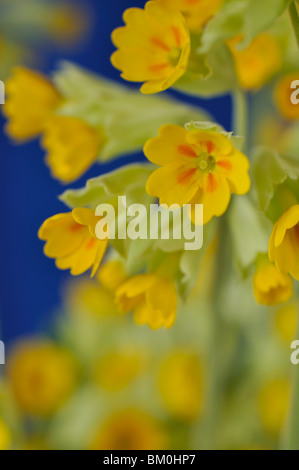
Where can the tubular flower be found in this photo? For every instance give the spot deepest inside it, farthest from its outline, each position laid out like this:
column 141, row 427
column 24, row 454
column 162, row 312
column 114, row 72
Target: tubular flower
column 31, row 99
column 5, row 436
column 153, row 299
column 282, row 96
column 181, row 385
column 71, row 240
column 42, row 376
column 270, row 286
column 153, row 47
column 198, row 167
column 72, row 147
column 130, row 430
column 274, row 400
column 256, row 64
column 284, row 243
column 196, row 12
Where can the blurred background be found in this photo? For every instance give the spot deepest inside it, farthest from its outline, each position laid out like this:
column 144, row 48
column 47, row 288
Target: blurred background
column 79, row 375
column 30, row 287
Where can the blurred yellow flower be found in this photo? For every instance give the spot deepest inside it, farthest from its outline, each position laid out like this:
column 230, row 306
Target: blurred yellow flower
column 151, row 297
column 5, row 436
column 130, row 430
column 181, row 385
column 71, row 240
column 68, row 22
column 72, row 147
column 116, row 370
column 153, row 47
column 112, row 274
column 273, row 403
column 286, row 322
column 271, row 286
column 196, row 12
column 86, row 297
column 31, row 99
column 42, row 376
column 282, row 96
column 198, row 167
column 256, row 64
column 284, row 243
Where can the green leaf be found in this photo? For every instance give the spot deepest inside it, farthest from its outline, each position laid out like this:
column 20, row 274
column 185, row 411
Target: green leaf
column 246, row 17
column 269, row 171
column 127, row 181
column 221, row 79
column 250, row 231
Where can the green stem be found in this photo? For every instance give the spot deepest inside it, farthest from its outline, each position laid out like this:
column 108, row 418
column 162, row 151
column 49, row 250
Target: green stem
column 293, row 12
column 216, row 339
column 240, row 113
column 291, row 441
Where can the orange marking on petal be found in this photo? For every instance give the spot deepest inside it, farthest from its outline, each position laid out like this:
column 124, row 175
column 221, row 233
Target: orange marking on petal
column 225, row 164
column 187, row 151
column 212, row 185
column 185, row 176
column 91, row 242
column 75, row 227
column 159, row 43
column 210, row 146
column 177, row 35
column 157, row 67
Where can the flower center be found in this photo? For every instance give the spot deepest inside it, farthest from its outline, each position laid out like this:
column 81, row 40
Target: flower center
column 206, row 162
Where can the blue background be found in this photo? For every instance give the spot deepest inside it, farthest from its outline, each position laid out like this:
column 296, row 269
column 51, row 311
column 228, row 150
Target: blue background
column 30, row 287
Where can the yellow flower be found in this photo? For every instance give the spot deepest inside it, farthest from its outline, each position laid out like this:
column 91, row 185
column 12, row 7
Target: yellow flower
column 116, row 370
column 270, row 286
column 153, row 299
column 282, row 96
column 286, row 322
column 42, row 376
column 31, row 99
column 130, row 430
column 181, row 385
column 274, row 401
column 284, row 243
column 71, row 240
column 112, row 274
column 5, row 436
column 153, row 47
column 86, row 297
column 198, row 167
column 256, row 64
column 196, row 12
column 72, row 147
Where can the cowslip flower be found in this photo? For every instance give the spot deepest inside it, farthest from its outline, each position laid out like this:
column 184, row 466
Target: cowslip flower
column 285, row 322
column 284, row 243
column 181, row 385
column 196, row 12
column 151, row 297
column 273, row 401
column 256, row 64
column 198, row 167
column 31, row 99
column 72, row 241
column 129, row 429
column 72, row 146
column 5, row 435
column 270, row 286
column 153, row 47
column 116, row 370
column 42, row 376
column 282, row 96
